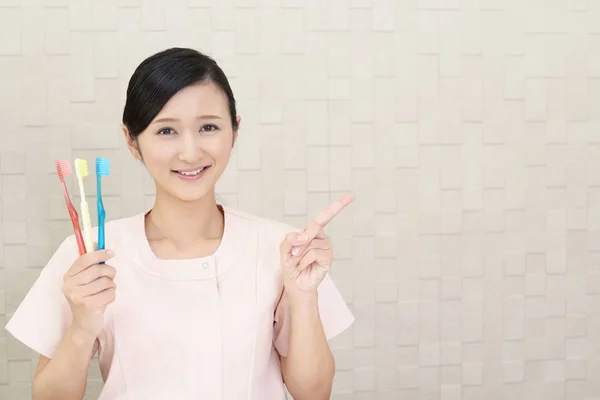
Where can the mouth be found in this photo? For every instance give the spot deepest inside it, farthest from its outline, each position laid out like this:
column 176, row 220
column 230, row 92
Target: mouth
column 191, row 174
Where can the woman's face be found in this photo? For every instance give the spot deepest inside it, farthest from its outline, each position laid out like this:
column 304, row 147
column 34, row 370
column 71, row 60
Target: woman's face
column 188, row 145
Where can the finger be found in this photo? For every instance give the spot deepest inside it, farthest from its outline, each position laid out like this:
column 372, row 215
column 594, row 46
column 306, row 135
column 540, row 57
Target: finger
column 315, row 244
column 89, row 259
column 321, row 257
column 94, row 272
column 322, row 244
column 313, row 231
column 319, row 244
column 103, row 298
column 97, row 286
column 288, row 243
column 306, row 260
column 334, row 208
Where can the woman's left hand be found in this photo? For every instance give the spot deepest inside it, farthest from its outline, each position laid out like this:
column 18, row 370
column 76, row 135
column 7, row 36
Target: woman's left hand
column 306, row 256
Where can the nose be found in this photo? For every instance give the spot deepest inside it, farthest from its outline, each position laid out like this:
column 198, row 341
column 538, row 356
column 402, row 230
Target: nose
column 190, row 151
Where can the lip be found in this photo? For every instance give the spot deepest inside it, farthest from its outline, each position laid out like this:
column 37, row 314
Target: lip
column 191, row 169
column 190, row 177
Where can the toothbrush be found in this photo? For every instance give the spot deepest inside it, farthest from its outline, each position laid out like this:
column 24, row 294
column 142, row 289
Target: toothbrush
column 102, row 169
column 64, row 169
column 81, row 170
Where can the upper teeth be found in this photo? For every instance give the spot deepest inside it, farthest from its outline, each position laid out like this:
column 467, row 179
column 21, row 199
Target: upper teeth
column 196, row 172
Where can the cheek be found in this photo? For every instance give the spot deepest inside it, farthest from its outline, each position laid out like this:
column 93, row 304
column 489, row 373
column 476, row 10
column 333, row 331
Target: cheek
column 224, row 152
column 219, row 149
column 156, row 155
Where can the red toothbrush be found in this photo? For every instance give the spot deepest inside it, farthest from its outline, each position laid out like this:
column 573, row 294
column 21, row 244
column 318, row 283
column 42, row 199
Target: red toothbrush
column 64, row 169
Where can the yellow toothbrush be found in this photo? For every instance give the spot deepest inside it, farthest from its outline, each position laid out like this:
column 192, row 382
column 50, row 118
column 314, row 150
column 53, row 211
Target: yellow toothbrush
column 81, row 170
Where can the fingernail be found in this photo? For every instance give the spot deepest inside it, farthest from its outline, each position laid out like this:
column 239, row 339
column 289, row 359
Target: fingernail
column 110, row 253
column 295, row 251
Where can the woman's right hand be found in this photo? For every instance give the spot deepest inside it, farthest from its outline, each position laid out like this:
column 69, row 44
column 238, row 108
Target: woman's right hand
column 89, row 287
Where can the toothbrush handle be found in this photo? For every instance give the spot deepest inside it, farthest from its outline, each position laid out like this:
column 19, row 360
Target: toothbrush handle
column 74, row 220
column 101, row 244
column 77, row 229
column 101, row 216
column 87, row 226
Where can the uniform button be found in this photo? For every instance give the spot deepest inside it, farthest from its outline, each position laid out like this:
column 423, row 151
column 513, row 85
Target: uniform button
column 205, row 265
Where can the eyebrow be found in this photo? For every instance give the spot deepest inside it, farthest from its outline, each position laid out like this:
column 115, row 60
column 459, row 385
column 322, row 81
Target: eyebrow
column 169, row 119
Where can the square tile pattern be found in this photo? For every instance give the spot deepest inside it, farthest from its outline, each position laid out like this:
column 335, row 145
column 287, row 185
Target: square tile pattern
column 466, row 129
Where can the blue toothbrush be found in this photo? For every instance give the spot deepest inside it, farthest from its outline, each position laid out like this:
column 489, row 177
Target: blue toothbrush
column 102, row 169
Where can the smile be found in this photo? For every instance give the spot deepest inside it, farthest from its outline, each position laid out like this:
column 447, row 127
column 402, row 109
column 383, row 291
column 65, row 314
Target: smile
column 191, row 174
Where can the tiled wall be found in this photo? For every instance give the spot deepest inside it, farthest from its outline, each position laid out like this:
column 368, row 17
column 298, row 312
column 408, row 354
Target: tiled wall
column 468, row 129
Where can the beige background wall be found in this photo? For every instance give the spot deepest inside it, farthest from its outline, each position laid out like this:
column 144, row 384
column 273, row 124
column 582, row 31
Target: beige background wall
column 468, row 129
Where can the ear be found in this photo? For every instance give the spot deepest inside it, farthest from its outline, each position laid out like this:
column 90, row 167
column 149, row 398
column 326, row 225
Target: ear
column 238, row 119
column 131, row 144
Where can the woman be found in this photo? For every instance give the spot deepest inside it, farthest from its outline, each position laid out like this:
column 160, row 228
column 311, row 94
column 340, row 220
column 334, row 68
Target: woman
column 196, row 300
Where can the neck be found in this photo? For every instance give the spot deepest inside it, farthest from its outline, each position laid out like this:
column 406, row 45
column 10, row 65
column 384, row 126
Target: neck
column 184, row 222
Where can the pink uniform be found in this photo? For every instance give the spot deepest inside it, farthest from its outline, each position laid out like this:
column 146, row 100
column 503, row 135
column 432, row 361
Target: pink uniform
column 206, row 328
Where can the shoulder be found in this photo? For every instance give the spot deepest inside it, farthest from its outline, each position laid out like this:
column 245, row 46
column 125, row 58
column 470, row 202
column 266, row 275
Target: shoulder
column 124, row 224
column 119, row 230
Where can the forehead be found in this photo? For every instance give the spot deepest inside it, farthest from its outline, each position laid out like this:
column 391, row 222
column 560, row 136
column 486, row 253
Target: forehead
column 195, row 100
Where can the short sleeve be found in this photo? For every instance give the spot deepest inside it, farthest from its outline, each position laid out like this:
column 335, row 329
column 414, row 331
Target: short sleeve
column 336, row 317
column 43, row 316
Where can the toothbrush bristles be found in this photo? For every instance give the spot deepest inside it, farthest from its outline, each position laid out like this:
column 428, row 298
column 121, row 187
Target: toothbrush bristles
column 63, row 168
column 81, row 167
column 102, row 166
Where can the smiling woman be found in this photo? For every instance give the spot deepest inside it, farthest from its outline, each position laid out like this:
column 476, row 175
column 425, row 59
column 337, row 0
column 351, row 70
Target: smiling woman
column 199, row 301
column 180, row 119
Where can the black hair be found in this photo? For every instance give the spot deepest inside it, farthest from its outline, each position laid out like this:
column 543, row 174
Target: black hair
column 161, row 76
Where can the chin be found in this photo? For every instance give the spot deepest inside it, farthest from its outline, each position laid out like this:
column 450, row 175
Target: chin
column 189, row 196
column 190, row 191
column 185, row 192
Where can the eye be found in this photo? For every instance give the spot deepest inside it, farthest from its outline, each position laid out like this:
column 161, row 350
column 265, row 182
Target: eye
column 209, row 128
column 166, row 131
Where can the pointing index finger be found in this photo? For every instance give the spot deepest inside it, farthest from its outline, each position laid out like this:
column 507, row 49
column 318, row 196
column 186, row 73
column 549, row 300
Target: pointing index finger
column 334, row 208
